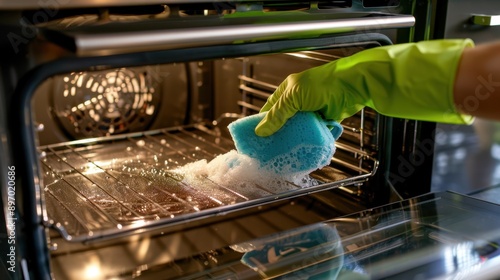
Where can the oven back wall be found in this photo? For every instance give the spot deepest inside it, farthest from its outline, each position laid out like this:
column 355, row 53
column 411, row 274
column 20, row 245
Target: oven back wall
column 82, row 105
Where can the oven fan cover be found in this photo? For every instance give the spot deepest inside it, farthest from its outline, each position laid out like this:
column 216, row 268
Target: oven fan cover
column 103, row 103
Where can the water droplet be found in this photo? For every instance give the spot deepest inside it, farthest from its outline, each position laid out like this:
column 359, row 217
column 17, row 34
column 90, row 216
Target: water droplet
column 141, row 143
column 163, row 141
column 129, row 149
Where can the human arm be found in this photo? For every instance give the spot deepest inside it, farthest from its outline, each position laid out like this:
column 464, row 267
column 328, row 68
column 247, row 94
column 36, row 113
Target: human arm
column 414, row 80
column 477, row 83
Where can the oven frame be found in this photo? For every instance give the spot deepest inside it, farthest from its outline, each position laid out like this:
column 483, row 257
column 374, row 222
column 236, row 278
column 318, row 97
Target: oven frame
column 32, row 251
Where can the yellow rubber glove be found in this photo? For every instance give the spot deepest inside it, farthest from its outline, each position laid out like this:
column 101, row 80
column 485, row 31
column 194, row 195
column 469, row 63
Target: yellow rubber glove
column 412, row 80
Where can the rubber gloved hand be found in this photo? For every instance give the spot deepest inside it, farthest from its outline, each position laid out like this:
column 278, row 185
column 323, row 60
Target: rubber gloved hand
column 412, row 80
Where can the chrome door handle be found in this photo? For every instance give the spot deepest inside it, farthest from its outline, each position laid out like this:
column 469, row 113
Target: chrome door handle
column 217, row 32
column 486, row 20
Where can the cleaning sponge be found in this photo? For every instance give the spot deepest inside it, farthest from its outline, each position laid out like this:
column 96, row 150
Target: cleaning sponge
column 305, row 143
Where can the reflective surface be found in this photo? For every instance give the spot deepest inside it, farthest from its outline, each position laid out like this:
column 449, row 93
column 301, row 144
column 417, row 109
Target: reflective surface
column 467, row 159
column 108, row 39
column 435, row 236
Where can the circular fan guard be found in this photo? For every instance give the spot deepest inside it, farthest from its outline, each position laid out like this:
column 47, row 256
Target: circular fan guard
column 101, row 103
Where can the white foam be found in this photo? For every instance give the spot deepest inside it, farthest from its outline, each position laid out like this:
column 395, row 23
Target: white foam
column 242, row 173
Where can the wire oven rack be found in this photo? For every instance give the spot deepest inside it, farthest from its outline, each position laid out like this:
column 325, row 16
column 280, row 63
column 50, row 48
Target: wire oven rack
column 108, row 186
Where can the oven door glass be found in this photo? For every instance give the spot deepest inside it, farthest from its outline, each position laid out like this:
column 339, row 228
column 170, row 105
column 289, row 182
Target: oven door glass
column 436, row 236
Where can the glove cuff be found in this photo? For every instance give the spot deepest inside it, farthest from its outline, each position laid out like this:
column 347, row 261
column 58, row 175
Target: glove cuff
column 412, row 80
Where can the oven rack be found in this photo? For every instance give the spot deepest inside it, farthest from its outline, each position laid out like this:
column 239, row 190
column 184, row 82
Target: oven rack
column 99, row 188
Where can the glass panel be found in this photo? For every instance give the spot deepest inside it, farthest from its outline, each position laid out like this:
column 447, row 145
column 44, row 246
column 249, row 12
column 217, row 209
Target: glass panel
column 467, row 158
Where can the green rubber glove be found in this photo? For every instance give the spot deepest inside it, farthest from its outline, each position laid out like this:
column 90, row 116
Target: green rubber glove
column 412, row 81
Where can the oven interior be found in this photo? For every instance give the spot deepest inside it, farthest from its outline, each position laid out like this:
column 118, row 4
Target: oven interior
column 112, row 144
column 128, row 131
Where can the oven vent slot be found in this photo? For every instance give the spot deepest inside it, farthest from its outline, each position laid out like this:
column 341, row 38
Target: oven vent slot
column 110, row 186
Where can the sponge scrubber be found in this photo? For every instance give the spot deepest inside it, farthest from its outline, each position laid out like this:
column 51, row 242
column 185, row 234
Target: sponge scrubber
column 305, row 143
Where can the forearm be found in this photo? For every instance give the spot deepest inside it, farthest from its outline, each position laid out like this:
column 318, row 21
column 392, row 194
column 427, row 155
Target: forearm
column 477, row 82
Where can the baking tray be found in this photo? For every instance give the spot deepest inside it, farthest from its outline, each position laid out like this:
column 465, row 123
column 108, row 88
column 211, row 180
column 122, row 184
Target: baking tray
column 110, row 186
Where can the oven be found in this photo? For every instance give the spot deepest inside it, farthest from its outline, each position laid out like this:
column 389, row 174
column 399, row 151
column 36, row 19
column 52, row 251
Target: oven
column 104, row 103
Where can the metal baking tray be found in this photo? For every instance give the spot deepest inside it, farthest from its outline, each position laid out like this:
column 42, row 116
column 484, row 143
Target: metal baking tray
column 110, row 186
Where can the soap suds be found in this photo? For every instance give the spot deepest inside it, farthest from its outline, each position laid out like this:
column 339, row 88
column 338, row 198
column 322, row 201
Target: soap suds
column 244, row 175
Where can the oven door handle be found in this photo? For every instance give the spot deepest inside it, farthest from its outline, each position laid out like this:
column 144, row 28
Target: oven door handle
column 122, row 41
column 486, row 20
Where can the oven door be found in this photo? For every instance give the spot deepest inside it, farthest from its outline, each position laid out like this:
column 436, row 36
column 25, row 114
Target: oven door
column 434, row 236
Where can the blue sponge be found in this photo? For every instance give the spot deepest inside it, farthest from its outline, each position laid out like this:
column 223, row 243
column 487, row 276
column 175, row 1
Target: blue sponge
column 305, row 143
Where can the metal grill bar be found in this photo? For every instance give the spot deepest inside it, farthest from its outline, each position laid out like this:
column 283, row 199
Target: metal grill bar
column 82, row 223
column 249, row 106
column 168, row 175
column 95, row 183
column 255, row 92
column 180, row 182
column 123, row 184
column 258, row 82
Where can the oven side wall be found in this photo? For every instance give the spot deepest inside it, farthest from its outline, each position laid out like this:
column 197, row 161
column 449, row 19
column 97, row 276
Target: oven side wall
column 21, row 219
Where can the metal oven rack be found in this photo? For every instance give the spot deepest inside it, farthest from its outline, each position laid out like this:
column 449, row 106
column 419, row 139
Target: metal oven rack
column 100, row 187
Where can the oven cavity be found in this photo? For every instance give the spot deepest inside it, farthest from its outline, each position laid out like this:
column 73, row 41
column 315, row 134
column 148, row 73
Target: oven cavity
column 122, row 165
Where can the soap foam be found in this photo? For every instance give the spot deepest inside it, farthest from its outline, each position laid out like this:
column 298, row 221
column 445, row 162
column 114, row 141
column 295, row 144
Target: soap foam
column 245, row 175
column 290, row 166
column 262, row 166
